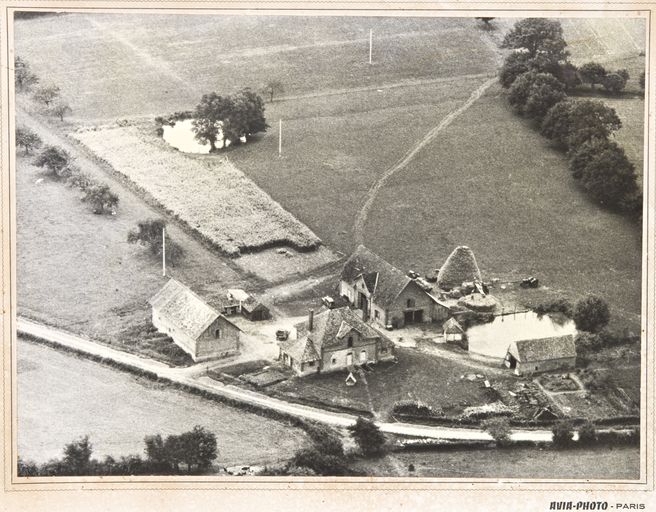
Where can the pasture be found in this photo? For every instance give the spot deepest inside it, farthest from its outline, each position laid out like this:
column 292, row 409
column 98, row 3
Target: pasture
column 486, row 180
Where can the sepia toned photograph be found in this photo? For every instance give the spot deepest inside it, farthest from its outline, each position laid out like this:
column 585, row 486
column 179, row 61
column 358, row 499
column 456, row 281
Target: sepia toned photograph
column 252, row 245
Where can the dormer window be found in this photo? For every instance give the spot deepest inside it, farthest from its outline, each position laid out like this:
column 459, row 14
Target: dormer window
column 349, row 342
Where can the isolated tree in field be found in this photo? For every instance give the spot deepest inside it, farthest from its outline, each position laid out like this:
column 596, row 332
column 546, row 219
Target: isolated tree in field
column 571, row 122
column 54, row 159
column 24, row 78
column 540, row 37
column 534, row 93
column 591, row 314
column 592, row 73
column 367, row 436
column 273, row 87
column 77, row 457
column 101, row 199
column 27, row 139
column 614, row 82
column 149, row 233
column 210, row 114
column 61, row 109
column 604, row 170
column 46, row 94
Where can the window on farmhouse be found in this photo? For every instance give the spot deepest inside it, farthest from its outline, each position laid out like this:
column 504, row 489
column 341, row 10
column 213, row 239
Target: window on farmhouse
column 376, row 314
column 333, row 360
column 217, row 333
column 411, row 303
column 349, row 343
column 310, row 363
column 383, row 350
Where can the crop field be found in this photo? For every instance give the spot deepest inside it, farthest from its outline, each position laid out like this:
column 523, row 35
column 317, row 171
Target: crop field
column 213, row 197
column 83, row 397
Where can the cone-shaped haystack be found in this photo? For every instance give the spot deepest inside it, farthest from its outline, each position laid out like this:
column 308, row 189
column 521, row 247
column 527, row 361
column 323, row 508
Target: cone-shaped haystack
column 459, row 267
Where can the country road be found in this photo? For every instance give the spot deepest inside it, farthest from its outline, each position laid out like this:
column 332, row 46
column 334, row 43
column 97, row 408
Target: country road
column 190, row 377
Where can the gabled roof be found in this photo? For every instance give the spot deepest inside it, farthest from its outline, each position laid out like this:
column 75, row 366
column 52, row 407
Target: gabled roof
column 302, row 350
column 451, row 326
column 251, row 304
column 543, row 349
column 184, row 308
column 331, row 326
column 458, row 268
column 384, row 280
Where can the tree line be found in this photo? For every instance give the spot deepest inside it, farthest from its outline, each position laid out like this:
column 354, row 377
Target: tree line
column 48, row 95
column 190, row 453
column 539, row 77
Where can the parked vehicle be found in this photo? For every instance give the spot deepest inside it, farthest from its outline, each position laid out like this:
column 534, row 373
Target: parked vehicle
column 282, row 335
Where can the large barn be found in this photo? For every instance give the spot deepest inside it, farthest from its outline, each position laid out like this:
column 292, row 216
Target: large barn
column 385, row 294
column 332, row 340
column 541, row 355
column 198, row 329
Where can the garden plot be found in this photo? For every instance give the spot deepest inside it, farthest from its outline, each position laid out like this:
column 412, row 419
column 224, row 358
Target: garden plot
column 211, row 196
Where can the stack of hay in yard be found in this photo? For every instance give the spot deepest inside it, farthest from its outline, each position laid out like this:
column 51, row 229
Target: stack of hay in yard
column 459, row 267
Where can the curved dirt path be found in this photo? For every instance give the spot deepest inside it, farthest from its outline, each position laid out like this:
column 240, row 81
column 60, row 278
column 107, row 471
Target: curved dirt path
column 360, row 221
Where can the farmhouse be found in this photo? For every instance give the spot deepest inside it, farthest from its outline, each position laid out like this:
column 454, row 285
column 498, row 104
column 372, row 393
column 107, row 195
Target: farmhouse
column 195, row 327
column 541, row 355
column 333, row 340
column 386, row 295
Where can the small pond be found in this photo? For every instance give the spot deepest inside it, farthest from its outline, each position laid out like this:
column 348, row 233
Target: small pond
column 181, row 136
column 492, row 339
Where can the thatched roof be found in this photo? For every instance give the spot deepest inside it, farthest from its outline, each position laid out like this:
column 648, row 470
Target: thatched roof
column 459, row 267
column 543, row 349
column 179, row 305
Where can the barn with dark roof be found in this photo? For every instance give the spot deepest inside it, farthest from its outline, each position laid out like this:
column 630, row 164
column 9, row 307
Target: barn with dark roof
column 332, row 340
column 541, row 355
column 197, row 328
column 385, row 294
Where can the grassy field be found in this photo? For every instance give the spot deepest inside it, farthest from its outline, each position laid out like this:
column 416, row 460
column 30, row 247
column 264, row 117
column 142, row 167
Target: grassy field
column 607, row 463
column 209, row 194
column 82, row 399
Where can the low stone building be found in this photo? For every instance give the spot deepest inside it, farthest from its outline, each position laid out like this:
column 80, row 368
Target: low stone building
column 198, row 329
column 386, row 295
column 541, row 355
column 332, row 340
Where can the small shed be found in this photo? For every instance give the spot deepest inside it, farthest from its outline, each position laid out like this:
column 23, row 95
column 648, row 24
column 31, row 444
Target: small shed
column 254, row 310
column 453, row 331
column 541, row 355
column 197, row 328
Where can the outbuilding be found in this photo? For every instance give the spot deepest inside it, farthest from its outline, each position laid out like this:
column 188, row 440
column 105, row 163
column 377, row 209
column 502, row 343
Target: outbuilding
column 541, row 355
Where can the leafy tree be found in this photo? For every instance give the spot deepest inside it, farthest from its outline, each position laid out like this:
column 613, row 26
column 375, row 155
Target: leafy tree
column 604, row 170
column 54, row 159
column 624, row 74
column 587, row 342
column 197, row 448
column 273, row 87
column 486, row 21
column 499, row 429
column 24, row 78
column 27, row 468
column 592, row 73
column 591, row 314
column 568, row 74
column 101, row 198
column 570, row 123
column 320, row 463
column 516, row 64
column 367, row 436
column 251, row 107
column 77, row 457
column 539, row 37
column 156, row 454
column 534, row 93
column 326, row 440
column 60, row 109
column 149, row 233
column 209, row 117
column 614, row 82
column 27, row 139
column 587, row 434
column 562, row 434
column 46, row 94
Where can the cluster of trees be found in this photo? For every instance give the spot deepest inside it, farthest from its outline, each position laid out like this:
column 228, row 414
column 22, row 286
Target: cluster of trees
column 48, row 95
column 58, row 164
column 228, row 118
column 538, row 77
column 150, row 233
column 191, row 452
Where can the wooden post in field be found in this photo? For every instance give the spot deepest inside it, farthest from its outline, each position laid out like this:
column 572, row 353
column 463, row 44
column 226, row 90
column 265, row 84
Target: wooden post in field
column 280, row 138
column 371, row 40
column 163, row 252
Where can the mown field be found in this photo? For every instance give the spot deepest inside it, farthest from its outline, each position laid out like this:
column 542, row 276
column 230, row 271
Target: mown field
column 83, row 398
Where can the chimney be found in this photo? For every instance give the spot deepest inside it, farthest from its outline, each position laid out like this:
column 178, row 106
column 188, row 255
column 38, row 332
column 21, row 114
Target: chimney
column 310, row 319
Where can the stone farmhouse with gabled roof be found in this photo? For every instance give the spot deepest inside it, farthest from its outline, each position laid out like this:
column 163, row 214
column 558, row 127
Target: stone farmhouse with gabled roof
column 334, row 339
column 541, row 355
column 197, row 328
column 386, row 295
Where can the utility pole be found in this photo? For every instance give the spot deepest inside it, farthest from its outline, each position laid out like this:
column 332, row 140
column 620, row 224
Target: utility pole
column 280, row 138
column 371, row 40
column 163, row 252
